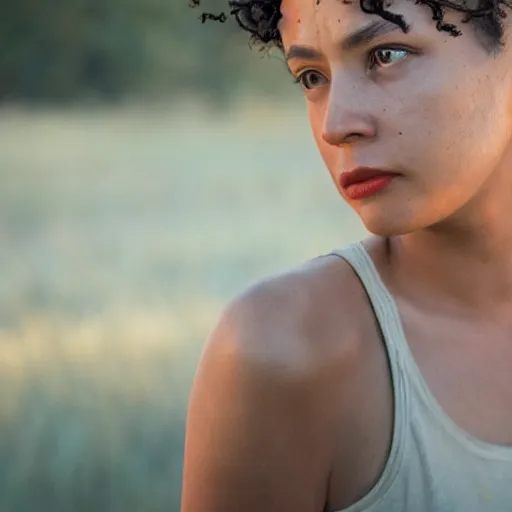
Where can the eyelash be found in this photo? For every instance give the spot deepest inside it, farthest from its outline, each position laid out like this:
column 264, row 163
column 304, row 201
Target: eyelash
column 370, row 59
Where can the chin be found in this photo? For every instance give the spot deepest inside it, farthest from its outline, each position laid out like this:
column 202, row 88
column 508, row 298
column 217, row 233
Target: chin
column 382, row 228
column 391, row 220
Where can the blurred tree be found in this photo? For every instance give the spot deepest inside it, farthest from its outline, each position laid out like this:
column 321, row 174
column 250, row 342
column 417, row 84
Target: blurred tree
column 66, row 50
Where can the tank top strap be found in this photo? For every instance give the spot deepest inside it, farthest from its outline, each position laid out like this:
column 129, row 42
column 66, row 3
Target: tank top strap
column 395, row 344
column 382, row 302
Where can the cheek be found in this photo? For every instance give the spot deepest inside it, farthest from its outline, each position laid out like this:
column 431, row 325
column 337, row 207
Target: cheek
column 455, row 134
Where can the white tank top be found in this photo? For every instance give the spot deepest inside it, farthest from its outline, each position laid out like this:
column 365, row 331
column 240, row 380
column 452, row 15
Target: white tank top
column 433, row 465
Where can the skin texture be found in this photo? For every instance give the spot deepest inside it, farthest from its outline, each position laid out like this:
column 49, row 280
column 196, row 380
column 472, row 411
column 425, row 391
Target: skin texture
column 437, row 115
column 294, row 378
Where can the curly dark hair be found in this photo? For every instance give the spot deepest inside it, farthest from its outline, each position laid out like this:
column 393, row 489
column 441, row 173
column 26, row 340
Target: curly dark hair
column 260, row 18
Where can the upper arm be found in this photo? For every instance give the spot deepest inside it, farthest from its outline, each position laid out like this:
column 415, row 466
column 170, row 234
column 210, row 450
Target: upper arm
column 257, row 435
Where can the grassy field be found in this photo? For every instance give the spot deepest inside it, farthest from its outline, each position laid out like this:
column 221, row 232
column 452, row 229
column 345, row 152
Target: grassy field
column 122, row 235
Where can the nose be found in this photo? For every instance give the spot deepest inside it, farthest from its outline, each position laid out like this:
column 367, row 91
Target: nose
column 347, row 119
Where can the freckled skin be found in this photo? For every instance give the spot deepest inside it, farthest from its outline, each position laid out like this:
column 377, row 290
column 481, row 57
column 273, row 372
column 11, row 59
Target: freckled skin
column 441, row 116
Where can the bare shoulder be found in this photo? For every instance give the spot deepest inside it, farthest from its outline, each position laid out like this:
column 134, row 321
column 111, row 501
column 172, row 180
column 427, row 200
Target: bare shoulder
column 261, row 417
column 295, row 322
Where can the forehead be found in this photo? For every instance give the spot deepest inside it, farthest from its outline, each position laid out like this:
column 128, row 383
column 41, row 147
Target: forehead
column 306, row 11
column 310, row 21
column 300, row 18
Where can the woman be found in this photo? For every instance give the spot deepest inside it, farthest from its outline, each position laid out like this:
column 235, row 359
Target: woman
column 377, row 378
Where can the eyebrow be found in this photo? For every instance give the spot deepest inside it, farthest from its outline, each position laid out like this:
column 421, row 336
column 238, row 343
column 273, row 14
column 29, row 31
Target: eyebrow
column 360, row 37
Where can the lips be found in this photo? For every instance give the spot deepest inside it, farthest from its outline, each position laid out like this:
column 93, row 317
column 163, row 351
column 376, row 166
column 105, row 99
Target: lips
column 362, row 174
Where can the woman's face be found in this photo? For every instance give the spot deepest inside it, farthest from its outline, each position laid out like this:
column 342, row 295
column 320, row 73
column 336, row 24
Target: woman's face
column 433, row 108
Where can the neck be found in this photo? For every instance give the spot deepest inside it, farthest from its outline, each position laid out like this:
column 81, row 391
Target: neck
column 466, row 260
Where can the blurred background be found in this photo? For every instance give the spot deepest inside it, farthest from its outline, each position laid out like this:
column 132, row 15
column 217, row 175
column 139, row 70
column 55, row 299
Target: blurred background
column 151, row 168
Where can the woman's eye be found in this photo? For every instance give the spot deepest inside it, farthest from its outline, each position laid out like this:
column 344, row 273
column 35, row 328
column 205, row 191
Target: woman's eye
column 385, row 57
column 311, row 80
